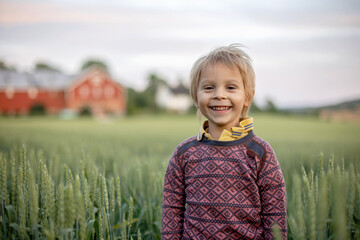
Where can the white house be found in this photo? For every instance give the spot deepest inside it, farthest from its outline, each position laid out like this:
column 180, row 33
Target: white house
column 175, row 99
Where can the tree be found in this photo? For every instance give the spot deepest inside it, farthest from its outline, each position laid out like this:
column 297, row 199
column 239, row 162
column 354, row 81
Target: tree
column 4, row 66
column 254, row 107
column 136, row 101
column 45, row 66
column 270, row 106
column 145, row 101
column 150, row 91
column 94, row 62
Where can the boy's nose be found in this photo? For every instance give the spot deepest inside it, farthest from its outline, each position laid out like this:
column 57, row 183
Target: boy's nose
column 219, row 93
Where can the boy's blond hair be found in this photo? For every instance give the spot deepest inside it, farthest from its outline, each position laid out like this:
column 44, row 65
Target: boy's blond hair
column 233, row 57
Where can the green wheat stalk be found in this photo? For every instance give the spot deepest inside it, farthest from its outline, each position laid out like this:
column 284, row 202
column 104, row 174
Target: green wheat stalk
column 22, row 212
column 340, row 221
column 61, row 221
column 322, row 208
column 13, row 183
column 4, row 198
column 33, row 202
column 101, row 224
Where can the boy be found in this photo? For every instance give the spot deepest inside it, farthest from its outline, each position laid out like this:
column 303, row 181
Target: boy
column 226, row 183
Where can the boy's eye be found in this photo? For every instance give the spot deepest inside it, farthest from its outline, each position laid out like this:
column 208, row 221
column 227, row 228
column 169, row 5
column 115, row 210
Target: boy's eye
column 231, row 87
column 208, row 87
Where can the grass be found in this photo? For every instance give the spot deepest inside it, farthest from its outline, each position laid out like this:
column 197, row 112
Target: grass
column 135, row 150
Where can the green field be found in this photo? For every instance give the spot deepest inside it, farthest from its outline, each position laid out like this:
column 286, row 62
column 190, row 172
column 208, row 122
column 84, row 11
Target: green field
column 86, row 157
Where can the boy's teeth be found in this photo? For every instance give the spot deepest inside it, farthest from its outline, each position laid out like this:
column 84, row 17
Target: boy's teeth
column 220, row 108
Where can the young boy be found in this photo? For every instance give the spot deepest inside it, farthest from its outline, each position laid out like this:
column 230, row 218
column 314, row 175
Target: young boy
column 226, row 183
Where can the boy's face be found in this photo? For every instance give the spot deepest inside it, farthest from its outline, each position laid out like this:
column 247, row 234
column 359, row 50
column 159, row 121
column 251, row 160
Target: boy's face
column 221, row 96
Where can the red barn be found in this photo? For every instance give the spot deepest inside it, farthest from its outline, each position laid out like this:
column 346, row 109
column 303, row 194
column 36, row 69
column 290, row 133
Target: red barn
column 94, row 89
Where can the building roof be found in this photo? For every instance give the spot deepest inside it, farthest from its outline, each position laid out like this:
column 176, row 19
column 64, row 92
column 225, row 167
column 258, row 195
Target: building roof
column 42, row 79
column 97, row 74
column 180, row 89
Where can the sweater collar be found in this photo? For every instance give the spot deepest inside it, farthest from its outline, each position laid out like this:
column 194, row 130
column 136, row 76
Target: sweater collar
column 245, row 126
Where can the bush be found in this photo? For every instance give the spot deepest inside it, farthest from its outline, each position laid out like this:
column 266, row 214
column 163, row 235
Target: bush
column 37, row 109
column 85, row 111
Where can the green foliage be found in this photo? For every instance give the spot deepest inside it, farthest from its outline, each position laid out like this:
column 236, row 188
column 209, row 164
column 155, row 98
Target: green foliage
column 37, row 109
column 270, row 106
column 5, row 66
column 94, row 63
column 45, row 66
column 136, row 102
column 32, row 218
column 85, row 111
column 107, row 178
column 144, row 102
column 322, row 203
column 254, row 108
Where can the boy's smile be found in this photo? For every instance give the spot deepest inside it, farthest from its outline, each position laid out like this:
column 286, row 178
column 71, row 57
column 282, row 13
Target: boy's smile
column 221, row 97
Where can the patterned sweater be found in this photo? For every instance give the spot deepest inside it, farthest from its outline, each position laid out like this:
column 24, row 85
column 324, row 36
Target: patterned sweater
column 223, row 190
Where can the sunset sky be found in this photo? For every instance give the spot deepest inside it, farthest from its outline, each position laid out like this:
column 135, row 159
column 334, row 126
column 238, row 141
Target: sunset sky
column 305, row 53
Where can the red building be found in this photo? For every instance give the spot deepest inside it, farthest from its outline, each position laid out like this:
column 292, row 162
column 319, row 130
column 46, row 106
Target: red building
column 94, row 90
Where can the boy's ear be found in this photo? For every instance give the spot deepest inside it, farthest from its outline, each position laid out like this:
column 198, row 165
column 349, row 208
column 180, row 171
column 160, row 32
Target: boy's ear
column 249, row 100
column 196, row 104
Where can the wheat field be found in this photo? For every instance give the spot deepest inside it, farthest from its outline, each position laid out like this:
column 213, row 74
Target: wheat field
column 88, row 179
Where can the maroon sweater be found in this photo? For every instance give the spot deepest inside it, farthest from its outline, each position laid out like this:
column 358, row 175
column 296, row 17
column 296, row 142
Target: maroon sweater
column 223, row 190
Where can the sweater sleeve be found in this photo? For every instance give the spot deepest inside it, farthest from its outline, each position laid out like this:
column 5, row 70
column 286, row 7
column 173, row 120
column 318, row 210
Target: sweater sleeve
column 173, row 200
column 272, row 194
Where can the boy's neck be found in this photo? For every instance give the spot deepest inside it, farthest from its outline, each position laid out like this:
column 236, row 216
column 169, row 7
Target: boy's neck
column 215, row 134
column 216, row 131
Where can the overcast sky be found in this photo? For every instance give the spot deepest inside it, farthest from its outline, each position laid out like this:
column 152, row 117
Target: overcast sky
column 305, row 52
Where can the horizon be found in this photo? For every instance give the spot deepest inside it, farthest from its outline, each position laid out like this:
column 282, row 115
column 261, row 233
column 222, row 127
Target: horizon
column 281, row 108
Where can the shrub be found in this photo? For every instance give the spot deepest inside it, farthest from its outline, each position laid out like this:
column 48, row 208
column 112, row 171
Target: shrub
column 37, row 109
column 85, row 111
